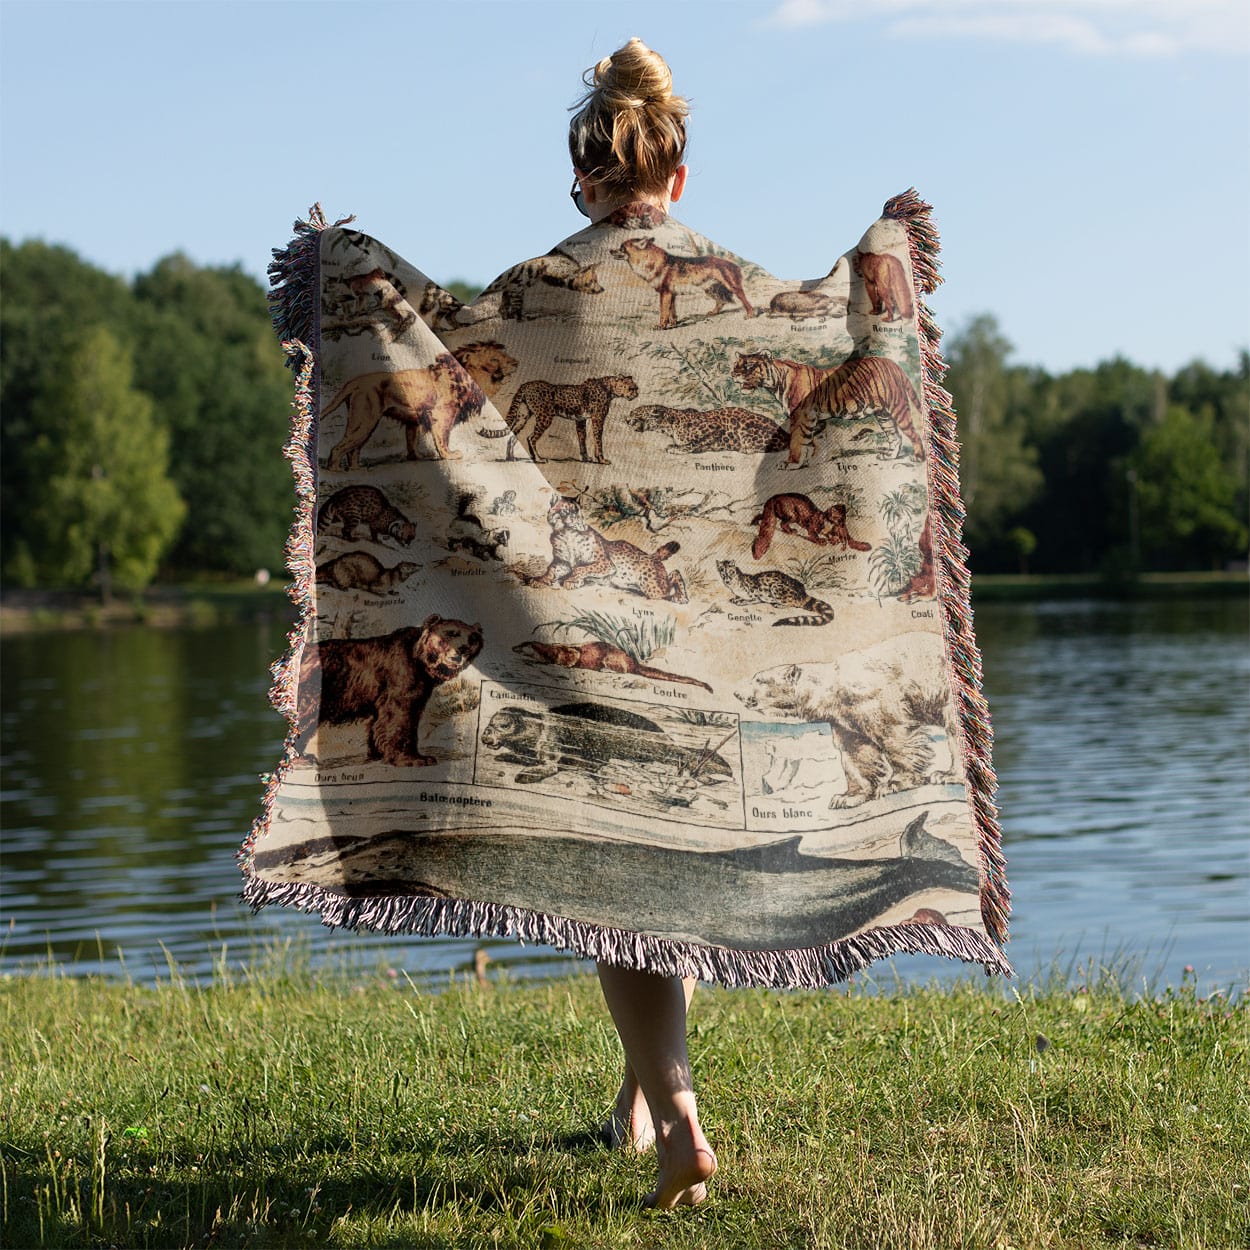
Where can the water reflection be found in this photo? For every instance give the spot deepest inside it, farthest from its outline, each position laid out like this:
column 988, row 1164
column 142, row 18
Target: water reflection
column 130, row 762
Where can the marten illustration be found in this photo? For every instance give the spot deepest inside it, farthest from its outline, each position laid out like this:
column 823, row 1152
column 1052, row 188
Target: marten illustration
column 796, row 514
column 601, row 657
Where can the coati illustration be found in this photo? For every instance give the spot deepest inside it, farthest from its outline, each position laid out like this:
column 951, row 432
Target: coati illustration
column 580, row 554
column 778, row 590
column 600, row 657
column 924, row 584
column 358, row 570
column 719, row 279
column 885, row 284
column 796, row 514
column 354, row 506
column 385, row 681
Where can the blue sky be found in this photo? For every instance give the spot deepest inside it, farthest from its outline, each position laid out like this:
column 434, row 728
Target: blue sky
column 1089, row 160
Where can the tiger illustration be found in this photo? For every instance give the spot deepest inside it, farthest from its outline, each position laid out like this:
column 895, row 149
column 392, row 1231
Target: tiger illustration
column 439, row 308
column 885, row 284
column 863, row 385
column 555, row 269
column 437, row 398
column 790, row 380
column 583, row 403
column 719, row 279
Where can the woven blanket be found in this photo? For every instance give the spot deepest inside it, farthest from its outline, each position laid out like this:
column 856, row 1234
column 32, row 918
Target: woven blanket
column 635, row 618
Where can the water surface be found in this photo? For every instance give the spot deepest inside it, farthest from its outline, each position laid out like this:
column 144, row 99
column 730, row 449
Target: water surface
column 131, row 759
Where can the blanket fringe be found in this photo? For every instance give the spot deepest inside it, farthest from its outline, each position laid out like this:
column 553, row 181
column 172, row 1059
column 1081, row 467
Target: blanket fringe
column 295, row 306
column 951, row 566
column 810, row 968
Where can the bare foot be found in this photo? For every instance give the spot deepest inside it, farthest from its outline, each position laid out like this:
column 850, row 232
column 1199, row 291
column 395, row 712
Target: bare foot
column 629, row 1126
column 686, row 1165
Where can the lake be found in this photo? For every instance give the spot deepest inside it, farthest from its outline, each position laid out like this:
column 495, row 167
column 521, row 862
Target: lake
column 131, row 760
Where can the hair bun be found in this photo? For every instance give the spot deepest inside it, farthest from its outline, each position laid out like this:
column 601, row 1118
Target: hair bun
column 629, row 131
column 634, row 76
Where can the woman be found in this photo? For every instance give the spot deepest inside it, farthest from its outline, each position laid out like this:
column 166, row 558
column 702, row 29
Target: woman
column 627, row 141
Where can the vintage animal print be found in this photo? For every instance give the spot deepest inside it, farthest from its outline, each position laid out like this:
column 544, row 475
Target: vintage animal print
column 585, row 403
column 719, row 279
column 790, row 380
column 580, row 555
column 877, row 702
column 599, row 657
column 885, row 284
column 384, row 681
column 358, row 570
column 486, row 363
column 555, row 269
column 354, row 506
column 376, row 296
column 862, row 385
column 796, row 514
column 591, row 736
column 439, row 309
column 716, row 429
column 435, row 399
column 798, row 304
column 778, row 590
column 924, row 584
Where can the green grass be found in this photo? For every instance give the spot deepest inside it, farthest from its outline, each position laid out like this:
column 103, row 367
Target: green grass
column 353, row 1110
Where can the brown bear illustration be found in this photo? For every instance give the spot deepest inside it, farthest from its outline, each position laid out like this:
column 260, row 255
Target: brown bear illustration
column 386, row 681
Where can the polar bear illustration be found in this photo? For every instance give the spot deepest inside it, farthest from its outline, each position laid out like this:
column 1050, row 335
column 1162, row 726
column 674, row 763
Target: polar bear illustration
column 878, row 703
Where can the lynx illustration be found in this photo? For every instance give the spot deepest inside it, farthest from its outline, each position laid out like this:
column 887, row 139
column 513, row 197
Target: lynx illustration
column 580, row 554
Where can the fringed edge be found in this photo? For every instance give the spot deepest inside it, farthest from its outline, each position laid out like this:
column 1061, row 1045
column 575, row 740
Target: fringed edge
column 951, row 563
column 810, row 968
column 295, row 303
column 294, row 281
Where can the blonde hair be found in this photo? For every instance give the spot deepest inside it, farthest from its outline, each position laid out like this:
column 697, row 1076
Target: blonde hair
column 629, row 132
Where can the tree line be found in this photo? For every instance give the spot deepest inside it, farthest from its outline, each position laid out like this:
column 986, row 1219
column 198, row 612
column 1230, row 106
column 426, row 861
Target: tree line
column 143, row 421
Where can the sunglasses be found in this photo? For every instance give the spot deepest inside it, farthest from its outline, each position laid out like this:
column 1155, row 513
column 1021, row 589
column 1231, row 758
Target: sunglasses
column 575, row 194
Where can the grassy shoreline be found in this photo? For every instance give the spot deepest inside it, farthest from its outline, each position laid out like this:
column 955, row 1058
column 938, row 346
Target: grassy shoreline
column 212, row 603
column 286, row 1109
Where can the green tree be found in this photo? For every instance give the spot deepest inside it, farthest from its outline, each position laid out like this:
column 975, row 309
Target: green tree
column 51, row 297
column 106, row 507
column 207, row 354
column 1186, row 495
column 997, row 466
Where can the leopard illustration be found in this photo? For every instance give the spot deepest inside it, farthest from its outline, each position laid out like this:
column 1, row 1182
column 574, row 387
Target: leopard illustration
column 580, row 554
column 719, row 429
column 583, row 403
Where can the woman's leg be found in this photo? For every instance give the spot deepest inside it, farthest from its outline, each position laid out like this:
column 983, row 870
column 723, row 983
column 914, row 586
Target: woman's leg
column 650, row 1015
column 629, row 1125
